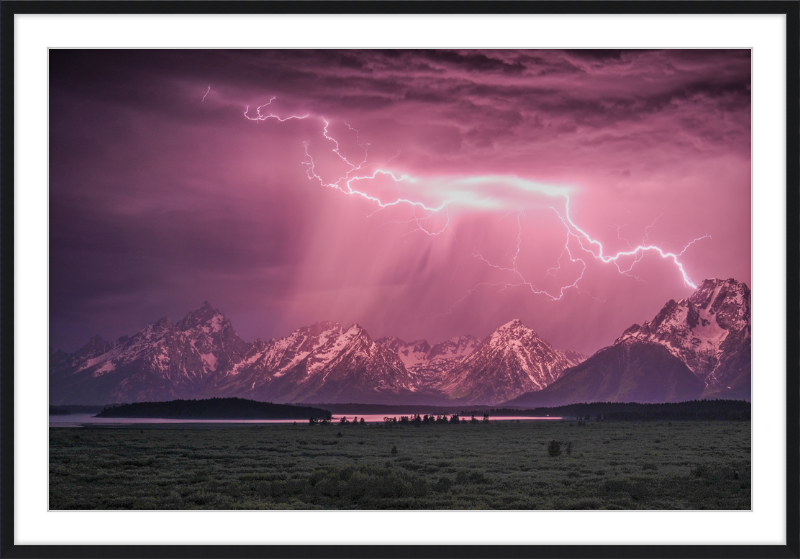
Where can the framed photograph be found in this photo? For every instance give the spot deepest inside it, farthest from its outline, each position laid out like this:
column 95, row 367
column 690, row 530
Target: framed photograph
column 387, row 280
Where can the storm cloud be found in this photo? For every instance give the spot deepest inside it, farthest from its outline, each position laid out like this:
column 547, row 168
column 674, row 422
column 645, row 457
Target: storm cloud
column 163, row 195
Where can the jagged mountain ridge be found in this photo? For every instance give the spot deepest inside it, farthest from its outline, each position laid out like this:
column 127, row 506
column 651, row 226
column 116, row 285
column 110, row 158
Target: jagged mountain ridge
column 431, row 366
column 511, row 361
column 163, row 361
column 709, row 332
column 694, row 348
column 320, row 363
column 428, row 364
column 201, row 356
column 629, row 371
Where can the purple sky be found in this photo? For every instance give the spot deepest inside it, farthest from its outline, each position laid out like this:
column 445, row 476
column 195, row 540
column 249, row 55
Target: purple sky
column 163, row 194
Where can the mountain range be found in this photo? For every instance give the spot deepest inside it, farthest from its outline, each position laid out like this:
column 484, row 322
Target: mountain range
column 697, row 347
column 693, row 348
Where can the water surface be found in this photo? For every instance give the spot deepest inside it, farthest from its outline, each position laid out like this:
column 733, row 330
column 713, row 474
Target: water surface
column 80, row 419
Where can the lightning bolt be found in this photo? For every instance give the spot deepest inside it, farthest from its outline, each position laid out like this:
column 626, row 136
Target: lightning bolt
column 418, row 221
column 345, row 183
column 466, row 191
column 205, row 94
column 521, row 280
column 599, row 255
column 620, row 237
column 647, row 229
column 260, row 116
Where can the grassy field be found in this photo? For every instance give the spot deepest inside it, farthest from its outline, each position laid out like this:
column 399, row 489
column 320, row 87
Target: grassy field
column 499, row 465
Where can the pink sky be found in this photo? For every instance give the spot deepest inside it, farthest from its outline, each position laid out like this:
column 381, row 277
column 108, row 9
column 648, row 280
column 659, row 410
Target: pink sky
column 164, row 195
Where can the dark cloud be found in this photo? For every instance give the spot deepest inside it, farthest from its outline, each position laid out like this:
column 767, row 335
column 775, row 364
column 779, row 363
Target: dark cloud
column 599, row 55
column 162, row 195
column 472, row 62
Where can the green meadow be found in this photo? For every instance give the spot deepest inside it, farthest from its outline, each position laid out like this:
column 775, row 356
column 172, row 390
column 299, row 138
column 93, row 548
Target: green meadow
column 499, row 465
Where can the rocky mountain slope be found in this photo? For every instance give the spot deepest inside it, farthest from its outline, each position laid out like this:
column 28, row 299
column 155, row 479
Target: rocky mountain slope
column 511, row 361
column 320, row 363
column 706, row 335
column 709, row 332
column 629, row 371
column 201, row 356
column 428, row 364
column 162, row 362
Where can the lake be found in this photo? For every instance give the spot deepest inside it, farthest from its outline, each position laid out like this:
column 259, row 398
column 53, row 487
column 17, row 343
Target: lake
column 80, row 419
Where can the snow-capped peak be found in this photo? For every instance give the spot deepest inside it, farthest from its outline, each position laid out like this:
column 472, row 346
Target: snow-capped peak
column 512, row 360
column 512, row 330
column 705, row 331
column 207, row 317
column 513, row 324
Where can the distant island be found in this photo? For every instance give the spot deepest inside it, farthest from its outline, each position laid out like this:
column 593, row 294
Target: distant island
column 214, row 408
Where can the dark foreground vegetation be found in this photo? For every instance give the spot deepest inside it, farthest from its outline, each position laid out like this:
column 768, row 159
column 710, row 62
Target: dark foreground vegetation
column 214, row 408
column 704, row 410
column 495, row 465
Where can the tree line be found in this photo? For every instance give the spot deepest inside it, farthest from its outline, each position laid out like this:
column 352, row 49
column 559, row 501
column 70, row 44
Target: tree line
column 415, row 419
column 693, row 410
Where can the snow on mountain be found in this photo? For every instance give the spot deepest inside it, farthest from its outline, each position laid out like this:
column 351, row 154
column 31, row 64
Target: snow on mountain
column 162, row 361
column 574, row 357
column 511, row 361
column 709, row 332
column 630, row 371
column 320, row 363
column 428, row 364
column 279, row 355
column 202, row 356
column 457, row 347
column 411, row 353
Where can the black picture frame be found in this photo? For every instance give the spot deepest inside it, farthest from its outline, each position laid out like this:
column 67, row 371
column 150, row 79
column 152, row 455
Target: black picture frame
column 8, row 546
